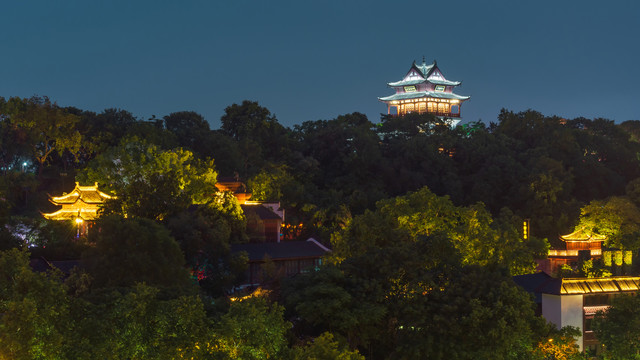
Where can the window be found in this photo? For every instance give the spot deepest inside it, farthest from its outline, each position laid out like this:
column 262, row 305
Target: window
column 409, row 89
column 442, row 107
column 440, row 88
column 408, row 108
column 422, row 107
column 431, row 107
column 587, row 323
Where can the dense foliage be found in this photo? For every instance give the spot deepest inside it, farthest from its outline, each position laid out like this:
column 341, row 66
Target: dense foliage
column 424, row 221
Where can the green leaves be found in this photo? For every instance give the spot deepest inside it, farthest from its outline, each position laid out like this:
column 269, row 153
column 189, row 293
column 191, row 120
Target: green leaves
column 619, row 328
column 128, row 251
column 253, row 329
column 149, row 182
column 46, row 127
column 35, row 321
column 618, row 218
column 406, row 218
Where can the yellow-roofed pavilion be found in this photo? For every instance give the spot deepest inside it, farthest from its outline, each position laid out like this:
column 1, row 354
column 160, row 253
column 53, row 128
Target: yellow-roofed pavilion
column 80, row 205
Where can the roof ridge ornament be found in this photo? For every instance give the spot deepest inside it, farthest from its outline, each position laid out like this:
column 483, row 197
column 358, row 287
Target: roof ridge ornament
column 424, row 61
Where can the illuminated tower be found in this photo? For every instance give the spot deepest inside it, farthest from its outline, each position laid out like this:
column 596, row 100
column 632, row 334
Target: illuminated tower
column 424, row 89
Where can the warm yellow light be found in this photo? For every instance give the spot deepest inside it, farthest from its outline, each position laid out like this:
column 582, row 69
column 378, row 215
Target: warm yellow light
column 79, row 221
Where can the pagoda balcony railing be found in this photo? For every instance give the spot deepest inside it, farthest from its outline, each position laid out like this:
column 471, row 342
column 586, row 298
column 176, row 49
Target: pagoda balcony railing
column 436, row 113
column 594, row 252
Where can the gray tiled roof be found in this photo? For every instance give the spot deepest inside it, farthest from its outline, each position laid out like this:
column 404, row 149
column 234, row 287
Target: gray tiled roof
column 280, row 251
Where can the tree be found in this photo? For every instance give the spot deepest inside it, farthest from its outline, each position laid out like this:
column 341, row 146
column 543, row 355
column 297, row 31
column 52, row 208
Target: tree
column 36, row 320
column 324, row 347
column 150, row 182
column 559, row 345
column 205, row 235
column 469, row 312
column 104, row 130
column 129, row 251
column 253, row 329
column 326, row 300
column 617, row 217
column 346, row 150
column 257, row 132
column 619, row 328
column 46, row 127
column 190, row 129
column 146, row 327
column 422, row 213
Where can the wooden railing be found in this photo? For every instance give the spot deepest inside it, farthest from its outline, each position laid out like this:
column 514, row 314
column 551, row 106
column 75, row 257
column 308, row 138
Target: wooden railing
column 594, row 252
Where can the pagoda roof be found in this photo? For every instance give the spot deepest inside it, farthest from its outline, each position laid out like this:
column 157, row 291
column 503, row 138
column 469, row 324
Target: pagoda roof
column 419, row 81
column 583, row 235
column 86, row 194
column 425, row 71
column 421, row 94
column 72, row 214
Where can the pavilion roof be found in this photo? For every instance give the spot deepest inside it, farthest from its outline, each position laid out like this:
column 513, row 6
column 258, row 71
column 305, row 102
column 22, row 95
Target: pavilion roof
column 87, row 194
column 583, row 235
column 72, row 214
column 421, row 94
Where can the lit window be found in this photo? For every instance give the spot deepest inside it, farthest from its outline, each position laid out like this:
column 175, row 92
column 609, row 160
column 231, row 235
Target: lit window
column 408, row 108
column 440, row 88
column 409, row 89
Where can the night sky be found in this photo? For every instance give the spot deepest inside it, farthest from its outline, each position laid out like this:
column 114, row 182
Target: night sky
column 312, row 60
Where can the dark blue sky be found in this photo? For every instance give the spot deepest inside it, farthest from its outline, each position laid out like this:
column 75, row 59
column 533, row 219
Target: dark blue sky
column 310, row 60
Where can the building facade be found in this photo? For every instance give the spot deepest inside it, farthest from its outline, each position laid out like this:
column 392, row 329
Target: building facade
column 575, row 302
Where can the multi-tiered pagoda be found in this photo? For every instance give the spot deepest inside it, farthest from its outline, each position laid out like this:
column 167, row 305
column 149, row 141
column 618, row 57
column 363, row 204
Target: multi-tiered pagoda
column 425, row 90
column 80, row 205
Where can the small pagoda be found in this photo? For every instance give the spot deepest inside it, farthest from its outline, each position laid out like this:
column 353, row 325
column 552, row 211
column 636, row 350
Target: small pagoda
column 424, row 89
column 579, row 240
column 80, row 205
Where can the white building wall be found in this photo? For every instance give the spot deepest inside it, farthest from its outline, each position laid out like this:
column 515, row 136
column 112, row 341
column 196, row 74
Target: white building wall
column 564, row 310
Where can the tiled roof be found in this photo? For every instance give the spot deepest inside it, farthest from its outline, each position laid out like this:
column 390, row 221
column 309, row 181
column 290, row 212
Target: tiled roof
column 281, row 251
column 583, row 235
column 592, row 285
column 263, row 212
column 533, row 283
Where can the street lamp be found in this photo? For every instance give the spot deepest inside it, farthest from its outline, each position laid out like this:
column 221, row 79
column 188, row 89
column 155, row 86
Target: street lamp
column 79, row 222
